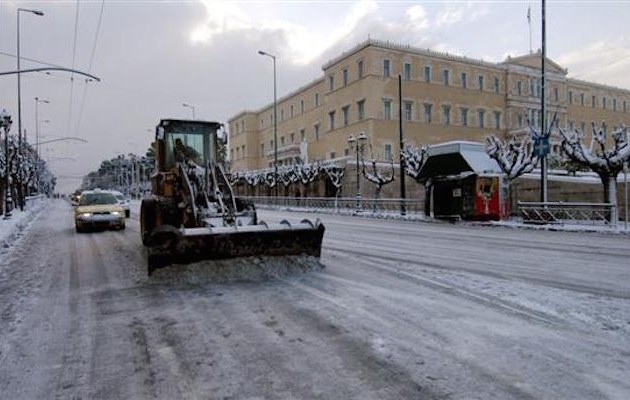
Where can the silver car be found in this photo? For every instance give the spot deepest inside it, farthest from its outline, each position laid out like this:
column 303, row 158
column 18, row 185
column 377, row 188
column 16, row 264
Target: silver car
column 123, row 202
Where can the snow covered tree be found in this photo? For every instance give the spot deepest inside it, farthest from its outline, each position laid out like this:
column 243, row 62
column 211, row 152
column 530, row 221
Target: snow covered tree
column 376, row 177
column 514, row 157
column 414, row 158
column 307, row 173
column 335, row 173
column 607, row 163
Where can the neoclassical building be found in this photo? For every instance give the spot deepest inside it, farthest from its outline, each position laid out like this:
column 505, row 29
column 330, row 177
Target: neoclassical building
column 444, row 97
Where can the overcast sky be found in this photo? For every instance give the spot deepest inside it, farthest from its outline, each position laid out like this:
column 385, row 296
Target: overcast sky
column 154, row 55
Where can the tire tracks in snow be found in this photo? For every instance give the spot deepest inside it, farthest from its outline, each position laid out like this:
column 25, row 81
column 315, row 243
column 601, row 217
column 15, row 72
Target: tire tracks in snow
column 369, row 252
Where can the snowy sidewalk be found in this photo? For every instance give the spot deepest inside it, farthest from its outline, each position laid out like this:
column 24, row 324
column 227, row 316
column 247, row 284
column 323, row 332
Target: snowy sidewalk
column 12, row 229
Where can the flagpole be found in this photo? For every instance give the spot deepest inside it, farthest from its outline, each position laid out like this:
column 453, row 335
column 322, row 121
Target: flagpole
column 529, row 22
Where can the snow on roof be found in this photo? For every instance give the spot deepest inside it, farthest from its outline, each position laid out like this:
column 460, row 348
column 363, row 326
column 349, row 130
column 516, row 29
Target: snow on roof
column 455, row 157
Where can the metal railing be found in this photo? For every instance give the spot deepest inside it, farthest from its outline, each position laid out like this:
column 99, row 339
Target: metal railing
column 343, row 204
column 568, row 213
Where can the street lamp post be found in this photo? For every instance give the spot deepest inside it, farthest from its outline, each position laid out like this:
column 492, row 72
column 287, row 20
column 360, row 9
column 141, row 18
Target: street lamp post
column 5, row 123
column 358, row 145
column 19, row 94
column 192, row 108
column 275, row 120
column 37, row 101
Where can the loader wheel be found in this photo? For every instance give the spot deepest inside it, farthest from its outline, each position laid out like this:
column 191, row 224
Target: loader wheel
column 148, row 216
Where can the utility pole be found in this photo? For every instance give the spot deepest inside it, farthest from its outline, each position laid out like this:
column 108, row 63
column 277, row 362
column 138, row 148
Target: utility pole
column 402, row 162
column 543, row 117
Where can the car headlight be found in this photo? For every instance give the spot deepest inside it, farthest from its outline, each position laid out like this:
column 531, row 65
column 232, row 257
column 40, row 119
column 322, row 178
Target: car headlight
column 84, row 215
column 116, row 213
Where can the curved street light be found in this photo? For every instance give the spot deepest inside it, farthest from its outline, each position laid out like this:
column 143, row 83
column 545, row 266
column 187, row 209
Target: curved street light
column 191, row 107
column 275, row 119
column 19, row 97
column 40, row 69
column 63, row 138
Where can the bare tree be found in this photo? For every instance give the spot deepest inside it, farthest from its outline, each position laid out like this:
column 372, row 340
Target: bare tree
column 335, row 174
column 414, row 158
column 515, row 158
column 376, row 177
column 605, row 162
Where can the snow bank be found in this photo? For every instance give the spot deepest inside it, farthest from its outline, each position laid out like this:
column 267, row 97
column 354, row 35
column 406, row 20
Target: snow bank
column 247, row 269
column 12, row 229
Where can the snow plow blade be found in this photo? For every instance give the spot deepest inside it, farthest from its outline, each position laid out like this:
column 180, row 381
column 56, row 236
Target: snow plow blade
column 168, row 245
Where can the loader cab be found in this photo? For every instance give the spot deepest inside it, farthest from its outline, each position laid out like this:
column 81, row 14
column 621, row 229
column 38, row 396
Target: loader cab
column 189, row 141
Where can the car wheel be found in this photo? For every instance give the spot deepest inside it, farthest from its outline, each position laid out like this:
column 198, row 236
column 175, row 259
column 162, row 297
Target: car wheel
column 127, row 213
column 79, row 229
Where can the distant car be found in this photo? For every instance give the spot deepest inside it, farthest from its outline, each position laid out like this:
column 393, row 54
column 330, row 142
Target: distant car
column 124, row 202
column 98, row 210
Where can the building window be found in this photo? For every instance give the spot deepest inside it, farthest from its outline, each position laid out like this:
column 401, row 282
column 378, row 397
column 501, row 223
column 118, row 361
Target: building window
column 281, row 115
column 519, row 88
column 407, row 71
column 238, row 153
column 408, row 110
column 446, row 77
column 331, row 83
column 333, row 155
column 624, row 106
column 388, row 152
column 346, row 152
column 346, row 115
column 480, row 81
column 331, row 120
column 302, row 135
column 243, row 150
column 570, row 97
column 360, row 69
column 302, row 106
column 497, row 120
column 583, row 126
column 316, row 131
column 582, row 99
column 316, row 99
column 271, row 144
column 593, row 101
column 386, row 68
column 281, row 140
column 345, row 77
column 387, row 109
column 556, row 94
column 497, row 85
column 427, row 113
column 446, row 115
column 291, row 112
column 614, row 104
column 427, row 73
column 604, row 103
column 361, row 110
column 519, row 121
column 262, row 149
column 292, row 138
column 231, row 154
column 481, row 115
column 464, row 80
column 463, row 116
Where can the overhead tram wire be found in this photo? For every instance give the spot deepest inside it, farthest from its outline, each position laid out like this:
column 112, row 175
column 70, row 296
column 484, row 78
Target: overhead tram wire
column 74, row 53
column 85, row 86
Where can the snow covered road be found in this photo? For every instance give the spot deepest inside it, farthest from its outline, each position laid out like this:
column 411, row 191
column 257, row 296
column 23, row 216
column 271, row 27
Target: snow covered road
column 402, row 310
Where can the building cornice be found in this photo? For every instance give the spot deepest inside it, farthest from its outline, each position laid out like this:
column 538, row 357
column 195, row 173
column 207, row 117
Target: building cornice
column 580, row 82
column 387, row 45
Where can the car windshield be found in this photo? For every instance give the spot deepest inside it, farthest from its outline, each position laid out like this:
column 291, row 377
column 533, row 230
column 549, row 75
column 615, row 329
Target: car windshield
column 120, row 197
column 89, row 199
